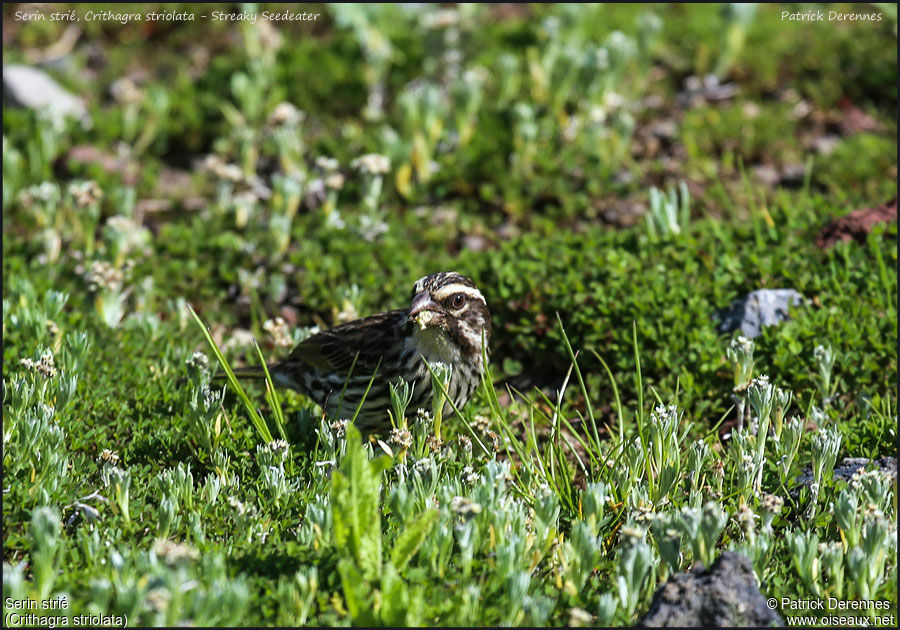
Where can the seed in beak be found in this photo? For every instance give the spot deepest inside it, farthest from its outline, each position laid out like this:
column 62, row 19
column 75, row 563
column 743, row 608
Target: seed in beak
column 423, row 318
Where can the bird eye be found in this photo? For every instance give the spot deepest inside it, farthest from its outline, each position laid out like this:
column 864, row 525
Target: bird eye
column 457, row 301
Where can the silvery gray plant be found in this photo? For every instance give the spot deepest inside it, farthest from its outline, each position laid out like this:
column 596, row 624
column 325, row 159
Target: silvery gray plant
column 824, row 359
column 119, row 483
column 271, row 459
column 664, row 438
column 440, row 382
column 401, row 395
column 30, row 313
column 697, row 456
column 804, row 548
column 633, row 563
column 204, row 415
column 546, row 518
column 787, row 445
column 741, row 453
column 868, row 536
column 668, row 540
column 669, row 216
column 874, row 487
column 825, row 446
column 178, row 483
column 606, row 609
column 47, row 545
column 594, row 499
column 297, row 595
column 701, row 529
column 782, row 402
column 866, row 562
column 761, row 395
column 847, row 516
column 831, row 556
column 757, row 542
column 582, row 553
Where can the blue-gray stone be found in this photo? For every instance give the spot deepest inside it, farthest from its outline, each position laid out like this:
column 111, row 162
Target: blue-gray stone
column 24, row 86
column 763, row 307
column 723, row 596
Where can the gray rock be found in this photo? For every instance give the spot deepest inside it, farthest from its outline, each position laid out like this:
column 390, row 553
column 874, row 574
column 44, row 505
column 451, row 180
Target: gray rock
column 724, row 595
column 826, row 144
column 793, row 174
column 763, row 307
column 474, row 242
column 848, row 467
column 24, row 86
column 767, row 174
column 698, row 91
column 664, row 129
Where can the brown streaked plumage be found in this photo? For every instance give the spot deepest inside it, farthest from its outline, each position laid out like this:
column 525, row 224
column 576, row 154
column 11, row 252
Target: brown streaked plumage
column 391, row 345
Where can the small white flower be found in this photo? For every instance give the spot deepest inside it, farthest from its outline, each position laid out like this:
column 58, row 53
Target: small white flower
column 746, row 519
column 401, row 437
column 633, row 534
column 174, row 553
column 107, row 456
column 286, row 114
column 372, row 164
column 125, row 91
column 464, row 506
column 45, row 366
column 643, row 514
column 871, row 512
column 441, row 18
column 198, row 361
column 335, row 181
column 280, row 331
column 339, row 427
column 481, row 423
column 158, row 599
column 237, row 505
column 327, row 164
column 772, row 503
column 279, row 446
column 579, row 617
column 223, row 171
column 245, row 198
column 44, row 193
column 85, row 193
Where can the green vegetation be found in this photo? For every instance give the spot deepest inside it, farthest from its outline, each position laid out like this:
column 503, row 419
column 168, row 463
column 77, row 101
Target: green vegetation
column 282, row 177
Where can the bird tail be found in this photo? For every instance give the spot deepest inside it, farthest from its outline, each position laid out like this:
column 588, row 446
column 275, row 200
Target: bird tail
column 251, row 372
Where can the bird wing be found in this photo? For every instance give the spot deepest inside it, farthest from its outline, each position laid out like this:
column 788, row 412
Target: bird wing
column 364, row 341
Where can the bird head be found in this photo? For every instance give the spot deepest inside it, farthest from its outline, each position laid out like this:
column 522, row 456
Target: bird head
column 450, row 306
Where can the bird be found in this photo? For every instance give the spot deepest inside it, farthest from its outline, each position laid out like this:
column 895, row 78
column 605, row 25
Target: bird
column 447, row 321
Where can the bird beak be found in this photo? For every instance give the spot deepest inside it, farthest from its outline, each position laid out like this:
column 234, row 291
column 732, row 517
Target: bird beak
column 422, row 303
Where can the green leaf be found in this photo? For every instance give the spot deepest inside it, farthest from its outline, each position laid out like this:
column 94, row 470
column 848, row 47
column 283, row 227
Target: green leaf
column 394, row 598
column 356, row 506
column 357, row 593
column 411, row 538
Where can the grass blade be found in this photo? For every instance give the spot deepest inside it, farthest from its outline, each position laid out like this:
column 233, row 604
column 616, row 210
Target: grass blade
column 255, row 417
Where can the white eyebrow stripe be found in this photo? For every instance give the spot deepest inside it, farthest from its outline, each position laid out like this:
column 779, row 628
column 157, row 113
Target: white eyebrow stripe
column 450, row 289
